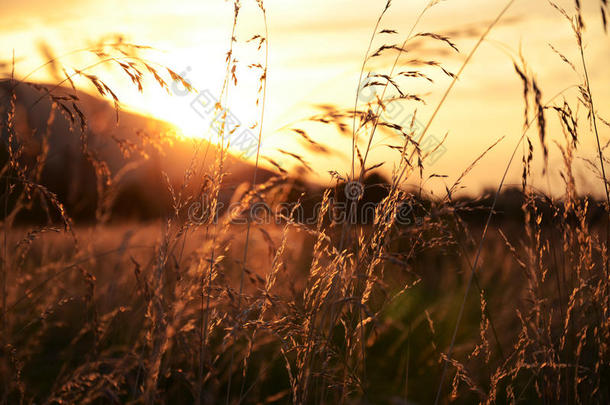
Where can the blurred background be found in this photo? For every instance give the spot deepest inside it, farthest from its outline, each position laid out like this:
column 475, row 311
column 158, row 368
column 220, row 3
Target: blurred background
column 316, row 49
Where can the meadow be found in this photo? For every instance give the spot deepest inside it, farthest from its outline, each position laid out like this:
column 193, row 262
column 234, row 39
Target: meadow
column 226, row 282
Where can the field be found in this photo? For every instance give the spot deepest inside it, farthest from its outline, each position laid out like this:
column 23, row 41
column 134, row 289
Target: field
column 138, row 267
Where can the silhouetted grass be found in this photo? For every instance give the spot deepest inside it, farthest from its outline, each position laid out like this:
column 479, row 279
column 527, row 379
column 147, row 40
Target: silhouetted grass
column 500, row 299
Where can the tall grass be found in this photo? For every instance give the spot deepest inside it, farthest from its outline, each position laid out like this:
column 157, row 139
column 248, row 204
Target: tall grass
column 231, row 309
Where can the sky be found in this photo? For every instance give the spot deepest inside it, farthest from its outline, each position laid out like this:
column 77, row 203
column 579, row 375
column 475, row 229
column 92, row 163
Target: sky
column 316, row 49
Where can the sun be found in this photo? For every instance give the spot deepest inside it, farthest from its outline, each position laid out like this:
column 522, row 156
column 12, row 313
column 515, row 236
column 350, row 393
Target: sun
column 196, row 114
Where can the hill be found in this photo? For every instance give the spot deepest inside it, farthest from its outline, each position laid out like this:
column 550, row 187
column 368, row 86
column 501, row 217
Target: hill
column 131, row 151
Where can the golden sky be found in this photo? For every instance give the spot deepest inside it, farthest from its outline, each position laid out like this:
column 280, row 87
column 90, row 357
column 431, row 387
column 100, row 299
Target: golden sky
column 316, row 48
